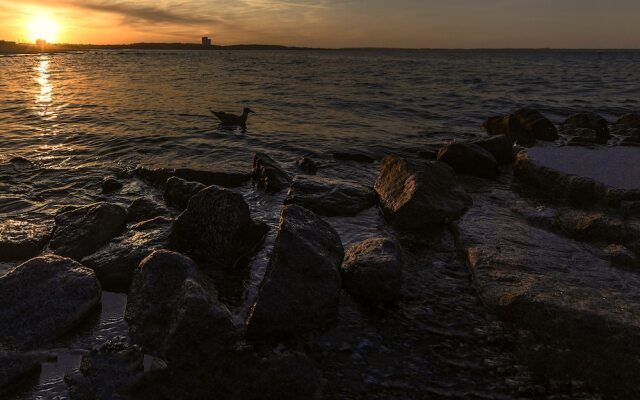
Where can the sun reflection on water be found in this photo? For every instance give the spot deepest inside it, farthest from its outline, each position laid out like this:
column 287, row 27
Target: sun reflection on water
column 44, row 97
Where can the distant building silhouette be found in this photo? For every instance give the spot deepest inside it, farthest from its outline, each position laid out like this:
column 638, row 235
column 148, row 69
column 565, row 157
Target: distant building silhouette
column 206, row 41
column 41, row 43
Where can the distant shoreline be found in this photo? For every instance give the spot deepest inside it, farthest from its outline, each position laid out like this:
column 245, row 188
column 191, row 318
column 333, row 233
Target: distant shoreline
column 24, row 48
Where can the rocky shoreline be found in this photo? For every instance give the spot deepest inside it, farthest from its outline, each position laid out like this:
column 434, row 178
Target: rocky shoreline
column 552, row 310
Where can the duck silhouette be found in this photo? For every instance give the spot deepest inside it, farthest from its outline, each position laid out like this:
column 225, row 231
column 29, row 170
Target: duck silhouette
column 232, row 120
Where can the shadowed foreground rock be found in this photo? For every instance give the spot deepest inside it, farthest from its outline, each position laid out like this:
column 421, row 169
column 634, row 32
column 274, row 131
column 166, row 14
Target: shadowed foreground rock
column 216, row 228
column 469, row 159
column 372, row 271
column 15, row 368
column 178, row 192
column 268, row 174
column 173, row 311
column 44, row 298
column 330, row 197
column 83, row 230
column 301, row 287
column 21, row 240
column 114, row 264
column 559, row 290
column 416, row 196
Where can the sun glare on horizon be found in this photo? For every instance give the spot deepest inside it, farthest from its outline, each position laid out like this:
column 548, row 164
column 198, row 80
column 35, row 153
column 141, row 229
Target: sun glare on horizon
column 43, row 27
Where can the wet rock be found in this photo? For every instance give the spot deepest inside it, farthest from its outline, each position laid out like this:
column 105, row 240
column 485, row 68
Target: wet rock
column 143, row 209
column 173, row 311
column 268, row 174
column 621, row 256
column 83, row 230
column 21, row 240
column 217, row 228
column 418, row 196
column 225, row 178
column 44, row 298
column 108, row 373
column 178, row 192
column 593, row 227
column 536, row 124
column 587, row 126
column 631, row 120
column 301, row 288
column 16, row 368
column 558, row 289
column 583, row 137
column 501, row 147
column 372, row 271
column 469, row 159
column 508, row 126
column 330, row 197
column 354, row 156
column 110, row 185
column 307, row 165
column 114, row 264
column 523, row 126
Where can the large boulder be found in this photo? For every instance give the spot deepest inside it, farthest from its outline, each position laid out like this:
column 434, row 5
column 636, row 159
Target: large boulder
column 523, row 126
column 178, row 192
column 418, row 196
column 330, row 197
column 217, row 228
column 501, row 147
column 301, row 287
column 83, row 230
column 44, row 298
column 268, row 174
column 372, row 271
column 173, row 311
column 469, row 159
column 21, row 240
column 114, row 264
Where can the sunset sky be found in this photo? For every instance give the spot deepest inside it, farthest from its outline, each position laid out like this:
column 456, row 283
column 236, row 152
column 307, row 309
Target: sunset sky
column 330, row 23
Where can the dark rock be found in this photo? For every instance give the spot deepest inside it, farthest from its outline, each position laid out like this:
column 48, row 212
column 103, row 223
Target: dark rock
column 584, row 137
column 429, row 154
column 418, row 196
column 330, row 197
column 21, row 240
column 159, row 176
column 114, row 264
column 44, row 298
column 268, row 174
column 108, row 373
column 15, row 369
column 576, row 124
column 143, row 209
column 83, row 230
column 524, row 127
column 354, row 156
column 536, row 124
column 631, row 120
column 622, row 256
column 469, row 159
column 307, row 165
column 110, row 185
column 301, row 288
column 217, row 227
column 593, row 227
column 372, row 271
column 173, row 311
column 178, row 192
column 501, row 147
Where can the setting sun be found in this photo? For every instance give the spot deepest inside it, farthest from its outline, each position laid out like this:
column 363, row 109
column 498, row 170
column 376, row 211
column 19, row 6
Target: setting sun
column 43, row 27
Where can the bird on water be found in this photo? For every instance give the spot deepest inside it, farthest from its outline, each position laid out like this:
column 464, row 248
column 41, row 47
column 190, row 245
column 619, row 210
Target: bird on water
column 227, row 119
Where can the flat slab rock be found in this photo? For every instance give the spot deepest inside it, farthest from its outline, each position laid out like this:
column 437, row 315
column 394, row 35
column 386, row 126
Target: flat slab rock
column 330, row 197
column 44, row 298
column 555, row 287
column 21, row 240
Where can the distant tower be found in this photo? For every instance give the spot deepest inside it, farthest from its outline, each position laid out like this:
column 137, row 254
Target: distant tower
column 206, row 41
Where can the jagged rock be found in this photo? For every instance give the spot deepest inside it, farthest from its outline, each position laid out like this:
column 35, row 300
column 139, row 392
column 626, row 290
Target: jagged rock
column 469, row 159
column 108, row 373
column 372, row 271
column 178, row 192
column 418, row 196
column 21, row 240
column 307, row 166
column 354, row 156
column 523, row 126
column 44, row 298
column 330, row 197
column 268, row 174
column 217, row 228
column 83, row 230
column 114, row 264
column 143, row 209
column 110, row 185
column 173, row 311
column 558, row 289
column 589, row 127
column 501, row 147
column 225, row 178
column 15, row 368
column 301, row 287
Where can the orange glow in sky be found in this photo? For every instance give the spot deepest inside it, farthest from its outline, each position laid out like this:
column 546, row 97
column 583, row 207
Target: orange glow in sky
column 43, row 27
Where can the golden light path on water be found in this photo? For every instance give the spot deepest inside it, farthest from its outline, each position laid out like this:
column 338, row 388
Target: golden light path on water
column 44, row 97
